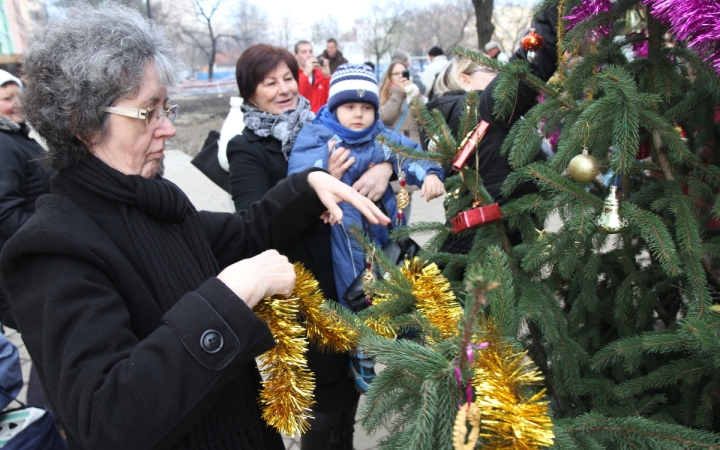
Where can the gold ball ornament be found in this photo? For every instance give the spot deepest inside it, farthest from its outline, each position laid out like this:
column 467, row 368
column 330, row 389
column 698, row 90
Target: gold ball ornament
column 584, row 167
column 470, row 413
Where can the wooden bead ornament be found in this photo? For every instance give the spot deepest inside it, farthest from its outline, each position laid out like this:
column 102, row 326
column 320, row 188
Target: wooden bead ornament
column 470, row 413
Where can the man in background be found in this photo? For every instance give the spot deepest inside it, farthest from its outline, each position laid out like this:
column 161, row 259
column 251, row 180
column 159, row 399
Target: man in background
column 333, row 55
column 492, row 49
column 313, row 76
column 438, row 61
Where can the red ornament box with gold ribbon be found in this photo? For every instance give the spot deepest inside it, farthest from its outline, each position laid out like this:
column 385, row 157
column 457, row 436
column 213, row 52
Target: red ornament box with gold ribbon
column 468, row 145
column 478, row 215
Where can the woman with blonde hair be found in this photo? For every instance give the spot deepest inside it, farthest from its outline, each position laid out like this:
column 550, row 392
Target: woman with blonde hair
column 452, row 86
column 396, row 93
column 462, row 74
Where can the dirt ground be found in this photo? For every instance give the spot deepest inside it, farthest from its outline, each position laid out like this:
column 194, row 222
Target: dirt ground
column 198, row 115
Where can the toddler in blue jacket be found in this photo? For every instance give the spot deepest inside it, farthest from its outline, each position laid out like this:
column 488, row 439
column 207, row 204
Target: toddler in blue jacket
column 350, row 120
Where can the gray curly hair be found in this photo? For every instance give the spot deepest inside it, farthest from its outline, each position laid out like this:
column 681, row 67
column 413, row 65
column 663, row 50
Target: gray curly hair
column 79, row 65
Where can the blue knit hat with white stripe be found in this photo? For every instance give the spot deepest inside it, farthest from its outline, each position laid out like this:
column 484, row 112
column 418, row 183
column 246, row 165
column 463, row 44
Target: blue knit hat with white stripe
column 353, row 83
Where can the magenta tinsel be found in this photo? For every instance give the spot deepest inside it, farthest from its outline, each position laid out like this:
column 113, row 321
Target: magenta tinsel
column 584, row 11
column 696, row 22
column 553, row 138
column 641, row 49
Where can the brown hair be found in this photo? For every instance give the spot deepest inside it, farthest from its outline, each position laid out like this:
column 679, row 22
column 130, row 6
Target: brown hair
column 385, row 89
column 256, row 62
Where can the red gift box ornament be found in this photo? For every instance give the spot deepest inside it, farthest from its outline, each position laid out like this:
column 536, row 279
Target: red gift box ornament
column 476, row 217
column 469, row 143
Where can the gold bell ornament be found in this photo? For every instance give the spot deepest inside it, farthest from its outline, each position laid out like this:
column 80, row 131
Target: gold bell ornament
column 610, row 221
column 584, row 167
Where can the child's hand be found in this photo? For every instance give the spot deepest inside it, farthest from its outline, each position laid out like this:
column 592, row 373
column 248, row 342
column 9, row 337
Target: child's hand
column 432, row 187
column 338, row 161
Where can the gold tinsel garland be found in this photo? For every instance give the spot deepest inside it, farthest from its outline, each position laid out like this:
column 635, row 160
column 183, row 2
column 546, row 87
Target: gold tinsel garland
column 508, row 419
column 434, row 298
column 287, row 392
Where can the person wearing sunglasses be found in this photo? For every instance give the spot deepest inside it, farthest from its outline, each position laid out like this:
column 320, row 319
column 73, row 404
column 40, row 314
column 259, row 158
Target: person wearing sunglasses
column 136, row 308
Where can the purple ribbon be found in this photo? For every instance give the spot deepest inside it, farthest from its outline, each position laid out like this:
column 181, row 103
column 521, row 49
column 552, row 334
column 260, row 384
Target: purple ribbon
column 469, row 350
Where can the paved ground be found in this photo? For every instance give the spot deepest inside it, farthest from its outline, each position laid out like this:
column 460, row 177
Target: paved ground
column 206, row 195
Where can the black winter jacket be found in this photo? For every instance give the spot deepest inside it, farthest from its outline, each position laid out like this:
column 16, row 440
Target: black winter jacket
column 120, row 373
column 23, row 179
column 494, row 167
column 256, row 165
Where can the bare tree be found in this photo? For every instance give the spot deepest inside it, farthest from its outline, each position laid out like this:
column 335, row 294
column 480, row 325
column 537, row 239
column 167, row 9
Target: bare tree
column 207, row 35
column 483, row 21
column 443, row 24
column 381, row 29
column 286, row 30
column 324, row 28
column 511, row 24
column 63, row 4
column 251, row 25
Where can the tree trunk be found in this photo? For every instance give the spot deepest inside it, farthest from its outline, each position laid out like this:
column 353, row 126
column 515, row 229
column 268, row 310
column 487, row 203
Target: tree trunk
column 211, row 64
column 213, row 50
column 483, row 21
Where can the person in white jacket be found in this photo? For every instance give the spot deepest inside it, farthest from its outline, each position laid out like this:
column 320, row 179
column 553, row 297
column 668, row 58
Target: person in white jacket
column 492, row 49
column 438, row 61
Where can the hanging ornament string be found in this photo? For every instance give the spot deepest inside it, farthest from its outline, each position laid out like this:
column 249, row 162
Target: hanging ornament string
column 560, row 31
column 402, row 198
column 470, row 352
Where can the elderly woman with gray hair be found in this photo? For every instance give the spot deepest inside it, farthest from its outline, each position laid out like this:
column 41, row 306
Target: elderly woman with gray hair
column 135, row 307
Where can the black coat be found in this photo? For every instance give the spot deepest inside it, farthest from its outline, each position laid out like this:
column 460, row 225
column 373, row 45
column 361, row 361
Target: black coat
column 120, row 373
column 256, row 165
column 22, row 180
column 494, row 167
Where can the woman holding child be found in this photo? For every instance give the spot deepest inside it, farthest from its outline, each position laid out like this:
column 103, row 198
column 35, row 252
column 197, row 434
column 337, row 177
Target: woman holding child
column 136, row 308
column 274, row 114
column 351, row 120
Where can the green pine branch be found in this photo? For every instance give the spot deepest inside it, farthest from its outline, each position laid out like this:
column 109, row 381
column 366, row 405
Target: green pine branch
column 633, row 432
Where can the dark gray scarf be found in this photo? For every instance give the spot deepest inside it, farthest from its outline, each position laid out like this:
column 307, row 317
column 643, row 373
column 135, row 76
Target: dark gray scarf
column 164, row 226
column 284, row 127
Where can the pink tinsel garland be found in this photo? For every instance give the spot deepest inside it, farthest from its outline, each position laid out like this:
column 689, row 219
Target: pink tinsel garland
column 585, row 10
column 695, row 21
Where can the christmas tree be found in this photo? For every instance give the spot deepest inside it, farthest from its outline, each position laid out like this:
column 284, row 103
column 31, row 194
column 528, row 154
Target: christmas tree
column 608, row 324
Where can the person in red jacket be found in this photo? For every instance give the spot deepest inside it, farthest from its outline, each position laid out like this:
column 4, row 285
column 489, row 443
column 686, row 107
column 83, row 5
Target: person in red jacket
column 313, row 77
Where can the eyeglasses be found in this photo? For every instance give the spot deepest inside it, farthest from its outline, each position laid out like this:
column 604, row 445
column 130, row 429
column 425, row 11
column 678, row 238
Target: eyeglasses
column 148, row 115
